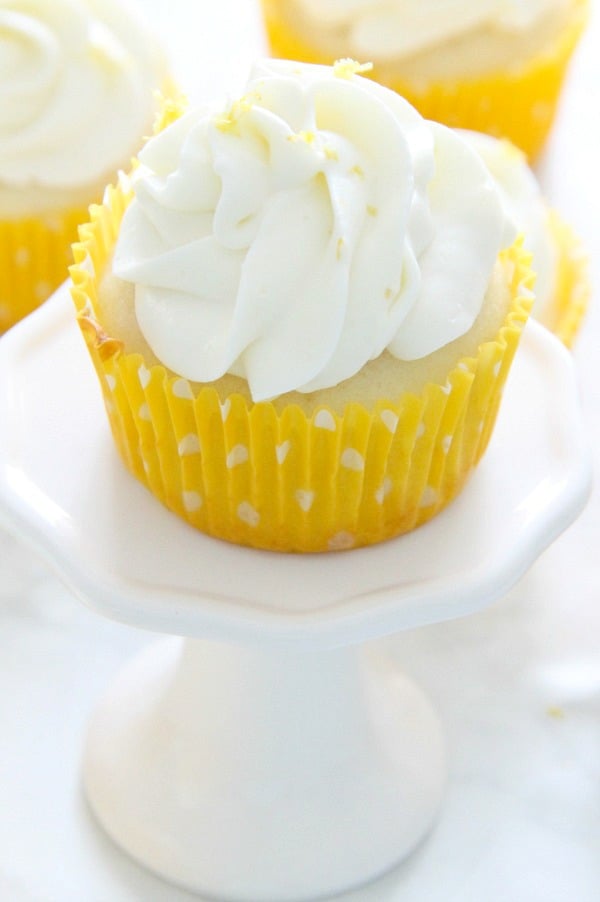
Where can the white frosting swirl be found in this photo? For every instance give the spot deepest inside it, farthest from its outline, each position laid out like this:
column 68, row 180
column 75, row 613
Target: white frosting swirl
column 77, row 79
column 522, row 199
column 318, row 222
column 396, row 28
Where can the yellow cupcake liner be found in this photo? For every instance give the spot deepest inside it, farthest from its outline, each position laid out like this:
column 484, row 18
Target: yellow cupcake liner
column 565, row 313
column 35, row 255
column 519, row 105
column 36, row 252
column 284, row 480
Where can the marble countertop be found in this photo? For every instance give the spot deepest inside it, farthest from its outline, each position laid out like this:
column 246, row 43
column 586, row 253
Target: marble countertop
column 517, row 686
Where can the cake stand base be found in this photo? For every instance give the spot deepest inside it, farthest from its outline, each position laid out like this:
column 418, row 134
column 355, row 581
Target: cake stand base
column 248, row 774
column 285, row 768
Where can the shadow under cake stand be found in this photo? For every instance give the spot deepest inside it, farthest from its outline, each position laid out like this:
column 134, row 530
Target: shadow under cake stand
column 274, row 753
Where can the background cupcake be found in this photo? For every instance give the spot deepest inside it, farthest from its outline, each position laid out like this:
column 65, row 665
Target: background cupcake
column 304, row 319
column 494, row 66
column 77, row 87
column 562, row 287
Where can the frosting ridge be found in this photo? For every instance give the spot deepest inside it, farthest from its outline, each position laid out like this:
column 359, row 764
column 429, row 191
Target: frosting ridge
column 398, row 28
column 522, row 199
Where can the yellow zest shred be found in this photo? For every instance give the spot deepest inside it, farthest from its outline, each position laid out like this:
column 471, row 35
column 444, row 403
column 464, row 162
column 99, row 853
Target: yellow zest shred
column 346, row 68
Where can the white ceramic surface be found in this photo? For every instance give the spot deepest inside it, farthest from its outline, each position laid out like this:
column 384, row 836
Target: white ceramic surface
column 204, row 759
column 517, row 686
column 64, row 488
column 264, row 775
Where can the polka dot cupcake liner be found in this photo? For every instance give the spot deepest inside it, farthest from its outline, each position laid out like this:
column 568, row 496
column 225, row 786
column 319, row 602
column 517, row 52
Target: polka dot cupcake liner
column 282, row 480
column 565, row 315
column 519, row 104
column 35, row 255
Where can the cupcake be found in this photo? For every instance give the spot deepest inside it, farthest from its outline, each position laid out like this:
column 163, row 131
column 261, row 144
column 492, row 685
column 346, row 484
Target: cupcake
column 562, row 286
column 302, row 309
column 494, row 66
column 77, row 94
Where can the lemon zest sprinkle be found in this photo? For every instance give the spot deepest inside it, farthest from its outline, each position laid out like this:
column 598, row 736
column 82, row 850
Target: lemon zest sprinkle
column 307, row 137
column 229, row 119
column 169, row 110
column 346, row 68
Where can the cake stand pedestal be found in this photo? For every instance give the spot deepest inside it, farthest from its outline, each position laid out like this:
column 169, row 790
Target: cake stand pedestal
column 264, row 774
column 273, row 753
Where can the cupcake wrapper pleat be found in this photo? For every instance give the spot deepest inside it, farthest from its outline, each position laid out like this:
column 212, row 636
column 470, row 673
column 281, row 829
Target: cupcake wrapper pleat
column 565, row 314
column 284, row 480
column 35, row 255
column 519, row 104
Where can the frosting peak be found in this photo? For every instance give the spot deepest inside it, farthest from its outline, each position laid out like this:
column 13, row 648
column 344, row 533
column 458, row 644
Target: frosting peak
column 316, row 222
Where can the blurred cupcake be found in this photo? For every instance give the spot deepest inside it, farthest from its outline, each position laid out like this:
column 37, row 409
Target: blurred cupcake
column 77, row 93
column 562, row 287
column 302, row 312
column 495, row 66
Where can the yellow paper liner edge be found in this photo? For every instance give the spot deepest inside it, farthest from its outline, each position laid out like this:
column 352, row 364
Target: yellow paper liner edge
column 285, row 481
column 519, row 105
column 35, row 255
column 573, row 286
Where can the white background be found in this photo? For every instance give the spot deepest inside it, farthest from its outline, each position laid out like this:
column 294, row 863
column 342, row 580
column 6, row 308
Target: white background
column 522, row 819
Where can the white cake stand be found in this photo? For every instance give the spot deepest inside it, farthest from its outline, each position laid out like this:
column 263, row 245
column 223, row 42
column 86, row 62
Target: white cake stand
column 271, row 754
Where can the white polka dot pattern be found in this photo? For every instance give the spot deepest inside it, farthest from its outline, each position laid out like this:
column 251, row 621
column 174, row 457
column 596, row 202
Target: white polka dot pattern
column 324, row 420
column 248, row 514
column 353, row 460
column 22, row 256
column 341, row 541
column 189, row 444
column 429, row 497
column 390, row 420
column 144, row 376
column 305, row 499
column 192, row 501
column 182, row 389
column 384, row 490
column 282, row 451
column 42, row 290
column 238, row 455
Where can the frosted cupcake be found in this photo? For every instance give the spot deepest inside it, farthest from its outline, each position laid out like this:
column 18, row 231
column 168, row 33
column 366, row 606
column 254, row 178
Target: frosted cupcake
column 77, row 86
column 302, row 312
column 562, row 286
column 495, row 66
